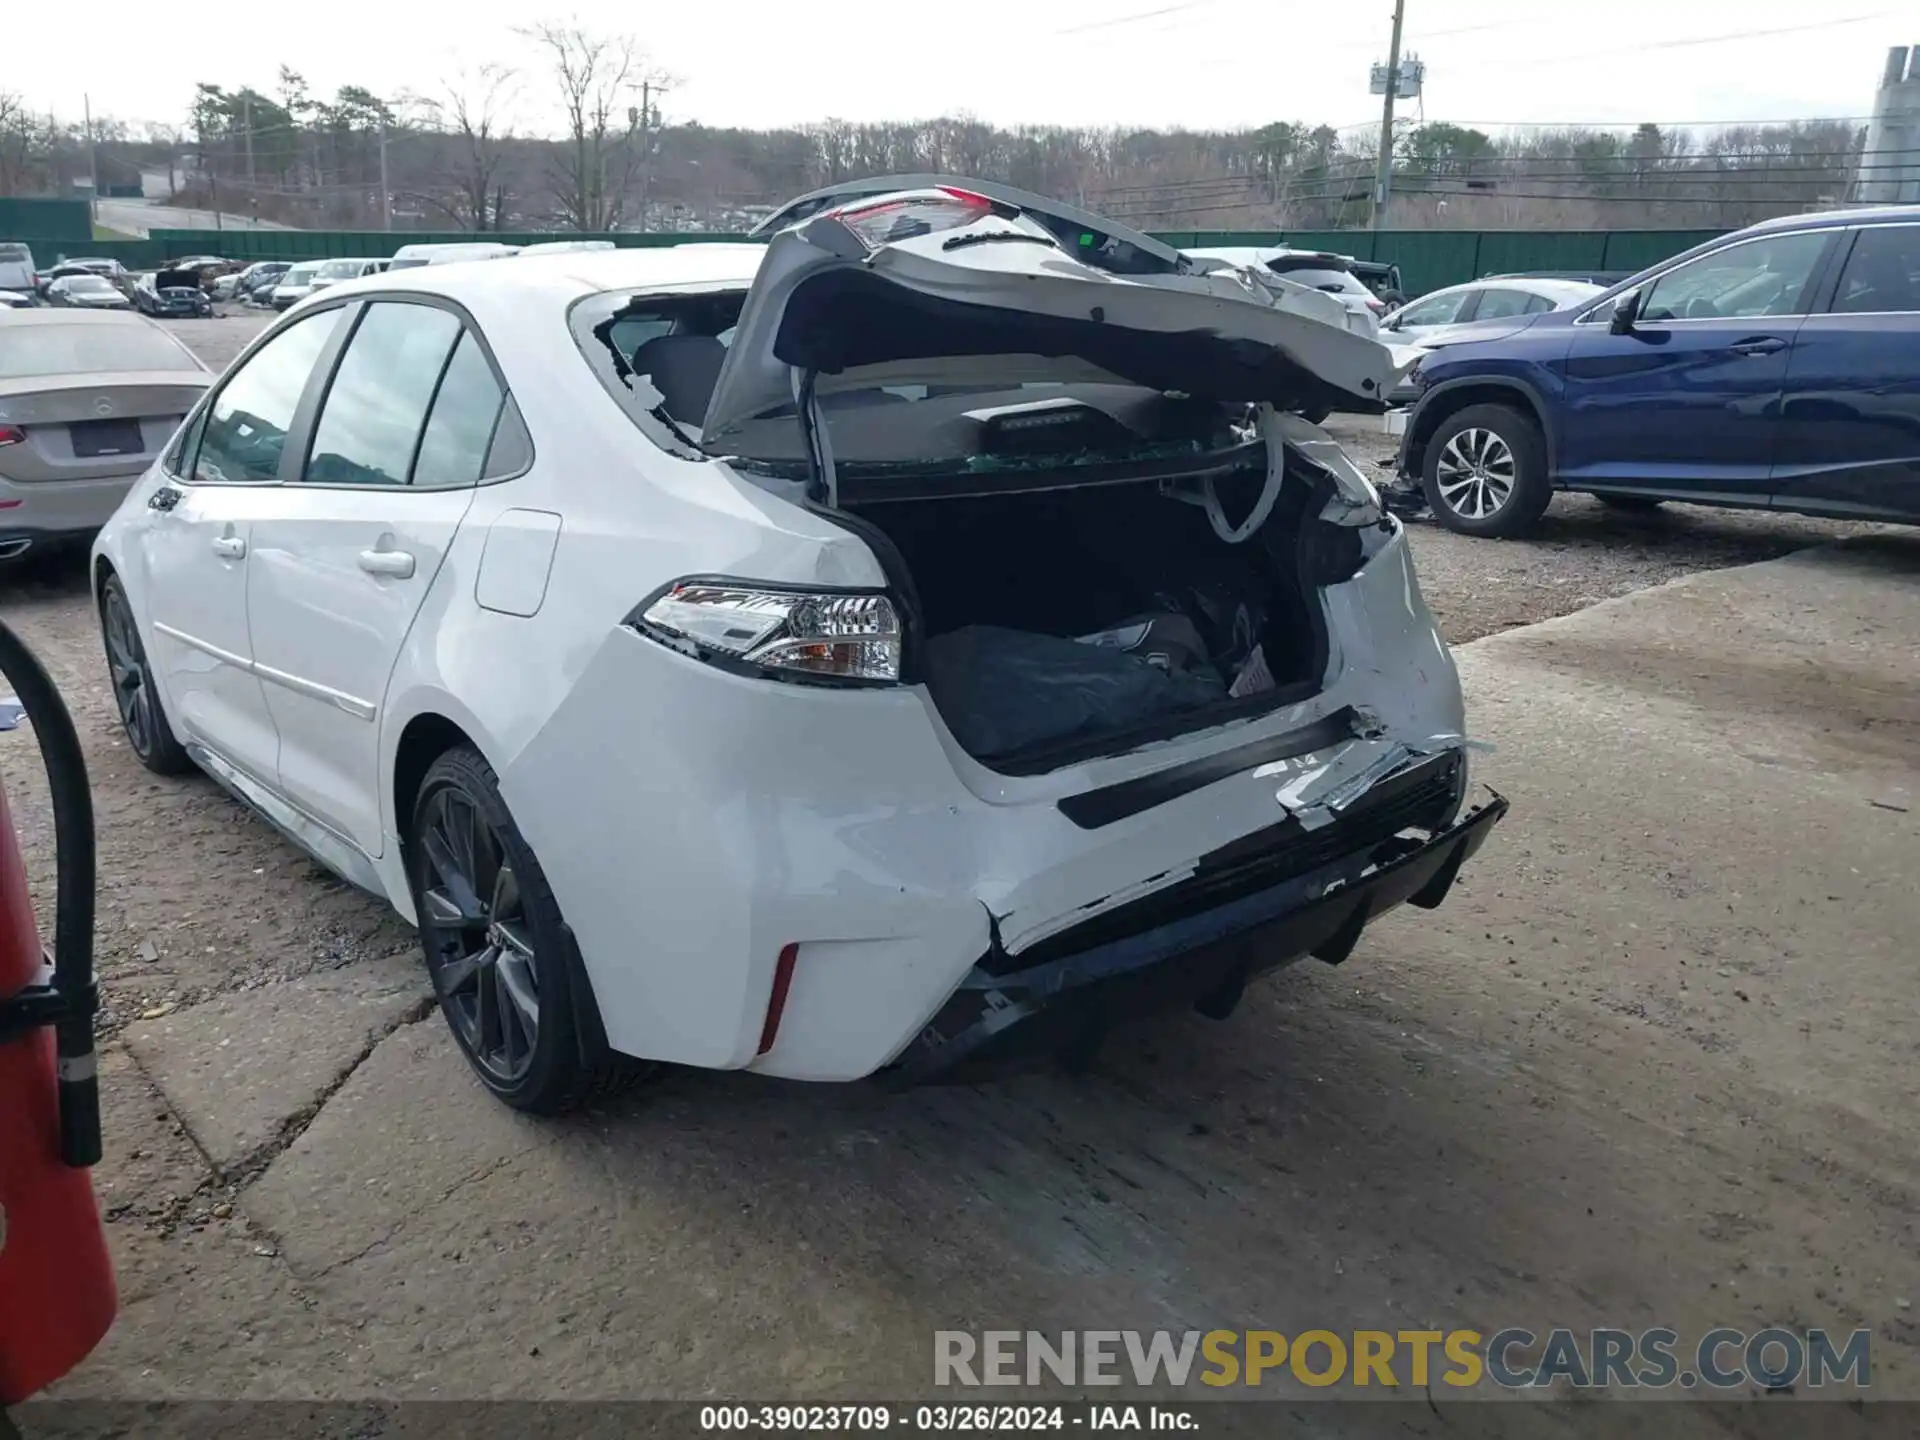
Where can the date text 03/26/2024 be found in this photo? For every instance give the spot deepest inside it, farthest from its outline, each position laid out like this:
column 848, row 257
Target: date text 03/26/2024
column 960, row 1418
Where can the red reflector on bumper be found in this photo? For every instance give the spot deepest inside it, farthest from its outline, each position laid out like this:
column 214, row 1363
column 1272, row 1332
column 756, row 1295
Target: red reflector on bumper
column 777, row 1001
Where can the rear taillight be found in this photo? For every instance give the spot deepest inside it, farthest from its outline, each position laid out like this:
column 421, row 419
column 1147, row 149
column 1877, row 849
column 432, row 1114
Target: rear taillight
column 786, row 634
column 912, row 213
column 12, row 435
column 1379, row 307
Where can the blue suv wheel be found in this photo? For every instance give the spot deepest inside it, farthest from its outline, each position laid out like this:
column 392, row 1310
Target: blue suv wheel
column 1485, row 471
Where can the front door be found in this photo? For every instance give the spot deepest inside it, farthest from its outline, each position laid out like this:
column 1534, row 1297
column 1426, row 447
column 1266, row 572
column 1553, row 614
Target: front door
column 194, row 545
column 344, row 557
column 1687, row 402
column 1851, row 443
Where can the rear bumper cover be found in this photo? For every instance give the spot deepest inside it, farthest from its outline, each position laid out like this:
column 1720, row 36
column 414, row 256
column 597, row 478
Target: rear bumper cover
column 1002, row 1017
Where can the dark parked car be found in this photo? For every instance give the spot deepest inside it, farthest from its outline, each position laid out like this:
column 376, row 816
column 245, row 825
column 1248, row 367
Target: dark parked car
column 1382, row 279
column 84, row 290
column 1778, row 367
column 171, row 292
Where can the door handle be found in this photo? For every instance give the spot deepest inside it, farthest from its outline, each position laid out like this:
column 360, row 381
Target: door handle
column 397, row 563
column 1760, row 345
column 229, row 547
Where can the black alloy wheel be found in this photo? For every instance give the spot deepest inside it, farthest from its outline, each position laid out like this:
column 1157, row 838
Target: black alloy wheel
column 148, row 733
column 501, row 960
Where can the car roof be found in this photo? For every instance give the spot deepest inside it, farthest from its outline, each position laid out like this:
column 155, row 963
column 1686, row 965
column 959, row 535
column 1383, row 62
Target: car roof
column 77, row 317
column 575, row 272
column 1821, row 219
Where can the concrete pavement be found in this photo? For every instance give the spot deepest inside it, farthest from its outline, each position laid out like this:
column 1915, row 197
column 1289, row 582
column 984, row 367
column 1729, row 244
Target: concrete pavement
column 1653, row 1063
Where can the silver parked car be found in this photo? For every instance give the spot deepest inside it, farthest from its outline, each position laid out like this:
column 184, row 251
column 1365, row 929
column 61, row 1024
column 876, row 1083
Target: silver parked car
column 1500, row 299
column 87, row 292
column 87, row 400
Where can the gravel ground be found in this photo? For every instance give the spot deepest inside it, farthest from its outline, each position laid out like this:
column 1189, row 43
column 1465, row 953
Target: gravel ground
column 198, row 897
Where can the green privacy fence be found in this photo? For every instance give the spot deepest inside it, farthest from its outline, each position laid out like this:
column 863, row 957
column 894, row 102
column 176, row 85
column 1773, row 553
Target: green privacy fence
column 39, row 221
column 1428, row 259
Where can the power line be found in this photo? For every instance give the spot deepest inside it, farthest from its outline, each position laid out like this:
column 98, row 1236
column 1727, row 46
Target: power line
column 1115, row 21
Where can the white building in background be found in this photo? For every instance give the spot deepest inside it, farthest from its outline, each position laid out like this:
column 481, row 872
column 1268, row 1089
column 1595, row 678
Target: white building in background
column 1889, row 172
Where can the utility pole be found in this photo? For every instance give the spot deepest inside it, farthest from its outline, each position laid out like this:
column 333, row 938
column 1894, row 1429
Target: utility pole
column 1383, row 175
column 246, row 119
column 646, row 148
column 93, row 161
column 386, row 203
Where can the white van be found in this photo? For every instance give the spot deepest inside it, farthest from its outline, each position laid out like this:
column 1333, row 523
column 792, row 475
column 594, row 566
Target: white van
column 16, row 267
column 408, row 256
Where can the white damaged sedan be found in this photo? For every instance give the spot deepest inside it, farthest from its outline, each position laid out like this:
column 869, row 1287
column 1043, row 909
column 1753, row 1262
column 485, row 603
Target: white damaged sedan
column 912, row 646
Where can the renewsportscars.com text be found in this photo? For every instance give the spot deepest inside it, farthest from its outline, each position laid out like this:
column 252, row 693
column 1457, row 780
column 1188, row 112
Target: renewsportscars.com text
column 1720, row 1360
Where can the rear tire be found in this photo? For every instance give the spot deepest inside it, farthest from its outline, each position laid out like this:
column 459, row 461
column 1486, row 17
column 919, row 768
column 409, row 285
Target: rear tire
column 1485, row 472
column 142, row 719
column 1632, row 504
column 502, row 960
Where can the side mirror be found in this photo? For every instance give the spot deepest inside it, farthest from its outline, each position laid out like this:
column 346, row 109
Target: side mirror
column 1626, row 310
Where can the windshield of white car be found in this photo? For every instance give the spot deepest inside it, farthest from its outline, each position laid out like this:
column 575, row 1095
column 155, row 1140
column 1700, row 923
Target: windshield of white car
column 340, row 269
column 78, row 349
column 87, row 285
column 300, row 274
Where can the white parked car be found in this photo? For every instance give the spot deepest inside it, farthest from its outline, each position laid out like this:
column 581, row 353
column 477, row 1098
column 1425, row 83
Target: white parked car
column 900, row 647
column 409, row 257
column 1480, row 300
column 295, row 285
column 1317, row 270
column 332, row 272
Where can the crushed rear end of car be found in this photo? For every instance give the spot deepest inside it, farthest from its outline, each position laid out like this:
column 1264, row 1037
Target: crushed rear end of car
column 1098, row 682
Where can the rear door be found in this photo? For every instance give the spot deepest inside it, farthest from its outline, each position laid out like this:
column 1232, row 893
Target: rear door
column 1850, row 444
column 344, row 555
column 192, row 541
column 1688, row 402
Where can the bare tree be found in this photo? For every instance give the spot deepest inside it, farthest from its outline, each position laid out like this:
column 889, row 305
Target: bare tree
column 600, row 78
column 475, row 111
column 19, row 144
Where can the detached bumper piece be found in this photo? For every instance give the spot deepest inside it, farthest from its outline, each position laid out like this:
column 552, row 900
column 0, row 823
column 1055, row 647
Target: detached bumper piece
column 1199, row 942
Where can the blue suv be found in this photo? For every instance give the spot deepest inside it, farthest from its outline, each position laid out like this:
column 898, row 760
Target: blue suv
column 1777, row 367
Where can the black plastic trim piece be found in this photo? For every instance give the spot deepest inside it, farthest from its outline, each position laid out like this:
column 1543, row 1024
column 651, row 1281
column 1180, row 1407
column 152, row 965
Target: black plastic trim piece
column 1091, row 809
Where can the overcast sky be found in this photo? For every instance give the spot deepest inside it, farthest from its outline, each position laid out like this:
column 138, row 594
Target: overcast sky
column 1197, row 63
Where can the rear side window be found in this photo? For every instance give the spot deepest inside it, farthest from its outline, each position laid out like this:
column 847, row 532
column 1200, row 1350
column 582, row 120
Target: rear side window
column 1883, row 273
column 247, row 424
column 371, row 421
column 1502, row 304
column 1538, row 304
column 466, row 409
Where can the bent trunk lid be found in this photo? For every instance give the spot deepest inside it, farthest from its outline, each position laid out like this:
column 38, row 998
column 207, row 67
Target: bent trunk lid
column 826, row 300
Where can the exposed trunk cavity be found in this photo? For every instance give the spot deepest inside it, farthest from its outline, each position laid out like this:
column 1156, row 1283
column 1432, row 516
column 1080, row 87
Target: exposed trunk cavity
column 1059, row 624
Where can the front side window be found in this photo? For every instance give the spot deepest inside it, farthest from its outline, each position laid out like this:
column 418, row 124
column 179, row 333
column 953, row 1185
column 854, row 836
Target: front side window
column 372, row 417
column 246, row 428
column 1883, row 273
column 1759, row 279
